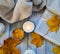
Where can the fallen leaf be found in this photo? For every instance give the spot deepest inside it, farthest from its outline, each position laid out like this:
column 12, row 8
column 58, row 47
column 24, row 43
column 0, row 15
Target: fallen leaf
column 18, row 33
column 1, row 51
column 9, row 46
column 56, row 50
column 54, row 28
column 15, row 51
column 37, row 39
column 53, row 23
column 12, row 42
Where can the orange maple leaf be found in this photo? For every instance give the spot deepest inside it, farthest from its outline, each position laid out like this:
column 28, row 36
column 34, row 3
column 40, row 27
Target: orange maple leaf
column 53, row 23
column 37, row 39
column 56, row 50
column 9, row 46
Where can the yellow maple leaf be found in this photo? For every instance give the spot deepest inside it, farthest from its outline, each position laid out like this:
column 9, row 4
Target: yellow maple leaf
column 37, row 39
column 9, row 46
column 53, row 23
column 54, row 28
column 1, row 51
column 15, row 51
column 18, row 33
column 56, row 50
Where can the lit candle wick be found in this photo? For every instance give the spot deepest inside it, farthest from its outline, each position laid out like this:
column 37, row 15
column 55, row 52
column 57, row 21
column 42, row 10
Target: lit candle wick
column 28, row 27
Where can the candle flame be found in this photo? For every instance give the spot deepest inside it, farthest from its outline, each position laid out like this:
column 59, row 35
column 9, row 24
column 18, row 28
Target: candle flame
column 28, row 27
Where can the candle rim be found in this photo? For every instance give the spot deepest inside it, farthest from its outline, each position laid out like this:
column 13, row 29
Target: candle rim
column 29, row 51
column 30, row 22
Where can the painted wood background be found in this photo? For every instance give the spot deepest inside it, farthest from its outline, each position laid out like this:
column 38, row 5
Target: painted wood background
column 46, row 48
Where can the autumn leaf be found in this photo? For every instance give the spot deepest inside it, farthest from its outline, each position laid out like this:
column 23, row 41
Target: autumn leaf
column 9, row 46
column 12, row 42
column 1, row 51
column 53, row 23
column 18, row 33
column 34, row 41
column 39, row 44
column 15, row 51
column 54, row 28
column 56, row 50
column 37, row 39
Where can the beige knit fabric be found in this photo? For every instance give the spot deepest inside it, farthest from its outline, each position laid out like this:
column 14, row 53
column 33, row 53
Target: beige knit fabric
column 54, row 6
column 12, row 13
column 23, row 9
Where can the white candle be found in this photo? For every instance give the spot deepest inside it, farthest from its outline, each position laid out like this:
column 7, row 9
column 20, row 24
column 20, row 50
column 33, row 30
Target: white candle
column 29, row 52
column 28, row 26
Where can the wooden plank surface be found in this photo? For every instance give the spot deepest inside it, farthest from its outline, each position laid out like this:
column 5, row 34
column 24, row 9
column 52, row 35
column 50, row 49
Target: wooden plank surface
column 46, row 48
column 23, row 46
column 6, row 33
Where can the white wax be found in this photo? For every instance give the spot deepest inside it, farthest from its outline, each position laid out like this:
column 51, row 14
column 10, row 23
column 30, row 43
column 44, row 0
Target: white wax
column 29, row 52
column 28, row 26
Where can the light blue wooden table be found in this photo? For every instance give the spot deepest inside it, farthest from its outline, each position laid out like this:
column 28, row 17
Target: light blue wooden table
column 46, row 48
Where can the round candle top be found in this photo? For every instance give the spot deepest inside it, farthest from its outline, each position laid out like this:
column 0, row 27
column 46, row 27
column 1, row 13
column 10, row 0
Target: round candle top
column 29, row 52
column 28, row 26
